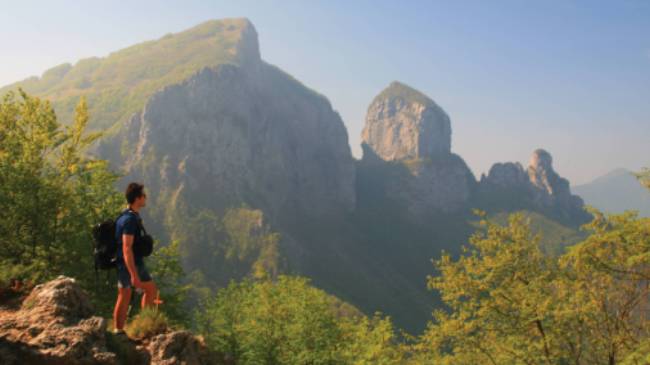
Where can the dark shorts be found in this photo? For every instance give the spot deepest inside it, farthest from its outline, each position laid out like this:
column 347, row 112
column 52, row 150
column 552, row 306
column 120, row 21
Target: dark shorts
column 124, row 277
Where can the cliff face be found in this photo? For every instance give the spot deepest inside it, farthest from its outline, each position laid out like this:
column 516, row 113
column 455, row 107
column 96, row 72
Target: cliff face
column 410, row 134
column 404, row 124
column 539, row 187
column 236, row 134
column 407, row 148
column 244, row 134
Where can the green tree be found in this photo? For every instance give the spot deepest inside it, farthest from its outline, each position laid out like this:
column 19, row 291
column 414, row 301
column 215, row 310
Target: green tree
column 508, row 303
column 290, row 322
column 50, row 193
column 606, row 292
column 497, row 294
column 169, row 275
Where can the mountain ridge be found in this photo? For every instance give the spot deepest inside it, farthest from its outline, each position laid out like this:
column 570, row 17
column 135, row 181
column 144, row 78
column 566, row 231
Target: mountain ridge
column 615, row 192
column 233, row 153
column 124, row 79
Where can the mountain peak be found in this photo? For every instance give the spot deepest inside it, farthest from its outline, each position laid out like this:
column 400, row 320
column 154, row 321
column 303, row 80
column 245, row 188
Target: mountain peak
column 399, row 90
column 240, row 31
column 119, row 84
column 402, row 123
column 541, row 160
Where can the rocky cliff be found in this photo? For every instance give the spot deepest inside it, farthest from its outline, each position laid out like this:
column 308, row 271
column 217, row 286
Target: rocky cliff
column 238, row 134
column 246, row 133
column 408, row 133
column 404, row 124
column 55, row 325
column 539, row 188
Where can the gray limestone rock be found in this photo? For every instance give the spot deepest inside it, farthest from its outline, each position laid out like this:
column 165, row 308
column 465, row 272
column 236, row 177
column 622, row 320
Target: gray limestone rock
column 539, row 187
column 411, row 135
column 506, row 175
column 403, row 123
column 233, row 135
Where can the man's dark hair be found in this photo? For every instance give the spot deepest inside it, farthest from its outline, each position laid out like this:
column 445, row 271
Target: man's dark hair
column 133, row 191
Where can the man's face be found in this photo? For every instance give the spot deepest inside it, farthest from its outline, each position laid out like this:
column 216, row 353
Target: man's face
column 142, row 200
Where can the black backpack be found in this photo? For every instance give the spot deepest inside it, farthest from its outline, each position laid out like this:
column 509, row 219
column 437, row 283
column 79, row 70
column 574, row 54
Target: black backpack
column 105, row 245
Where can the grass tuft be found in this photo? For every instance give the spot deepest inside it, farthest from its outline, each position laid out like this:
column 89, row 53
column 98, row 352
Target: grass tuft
column 148, row 323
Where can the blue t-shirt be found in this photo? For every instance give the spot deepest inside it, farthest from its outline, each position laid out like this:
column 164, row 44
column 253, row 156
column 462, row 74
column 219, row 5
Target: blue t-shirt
column 127, row 223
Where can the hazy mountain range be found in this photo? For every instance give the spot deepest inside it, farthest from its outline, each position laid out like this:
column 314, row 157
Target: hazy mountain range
column 616, row 192
column 234, row 150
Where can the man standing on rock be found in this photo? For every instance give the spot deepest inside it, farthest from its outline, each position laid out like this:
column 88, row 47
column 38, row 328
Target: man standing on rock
column 131, row 271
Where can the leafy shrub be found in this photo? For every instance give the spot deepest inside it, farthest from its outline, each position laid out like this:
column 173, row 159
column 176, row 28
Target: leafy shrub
column 290, row 322
column 147, row 323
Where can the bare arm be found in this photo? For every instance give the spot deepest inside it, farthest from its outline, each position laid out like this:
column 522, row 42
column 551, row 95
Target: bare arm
column 127, row 250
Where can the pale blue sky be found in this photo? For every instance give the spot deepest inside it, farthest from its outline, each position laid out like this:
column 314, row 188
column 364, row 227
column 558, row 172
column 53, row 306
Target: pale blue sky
column 569, row 76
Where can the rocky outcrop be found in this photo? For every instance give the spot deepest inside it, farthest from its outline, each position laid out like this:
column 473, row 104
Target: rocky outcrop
column 403, row 124
column 410, row 134
column 178, row 348
column 552, row 192
column 507, row 175
column 539, row 188
column 407, row 145
column 543, row 177
column 231, row 135
column 55, row 325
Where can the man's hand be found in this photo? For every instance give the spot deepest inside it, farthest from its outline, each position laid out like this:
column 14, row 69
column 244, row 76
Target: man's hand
column 135, row 282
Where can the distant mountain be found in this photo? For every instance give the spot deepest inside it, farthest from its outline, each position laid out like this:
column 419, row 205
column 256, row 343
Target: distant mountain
column 616, row 192
column 119, row 85
column 233, row 150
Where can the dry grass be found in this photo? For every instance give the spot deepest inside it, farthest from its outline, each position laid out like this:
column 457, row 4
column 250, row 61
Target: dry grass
column 148, row 323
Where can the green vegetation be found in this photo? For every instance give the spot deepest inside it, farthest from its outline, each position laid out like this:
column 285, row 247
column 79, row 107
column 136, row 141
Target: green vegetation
column 119, row 85
column 508, row 298
column 147, row 323
column 235, row 245
column 290, row 322
column 168, row 273
column 50, row 194
column 554, row 236
column 509, row 303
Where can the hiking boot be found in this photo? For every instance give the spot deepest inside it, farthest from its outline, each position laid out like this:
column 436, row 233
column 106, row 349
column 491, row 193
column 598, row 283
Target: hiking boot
column 119, row 332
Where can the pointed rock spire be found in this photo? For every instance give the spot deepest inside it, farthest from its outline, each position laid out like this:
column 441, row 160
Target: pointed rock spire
column 403, row 123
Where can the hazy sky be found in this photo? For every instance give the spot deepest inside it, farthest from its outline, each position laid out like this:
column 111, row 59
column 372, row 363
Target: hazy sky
column 572, row 77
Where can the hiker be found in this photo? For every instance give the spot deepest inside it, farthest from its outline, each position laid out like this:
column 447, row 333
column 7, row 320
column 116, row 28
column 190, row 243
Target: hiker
column 131, row 271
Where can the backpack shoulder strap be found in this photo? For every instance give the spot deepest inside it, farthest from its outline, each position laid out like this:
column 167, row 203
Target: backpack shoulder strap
column 137, row 220
column 121, row 214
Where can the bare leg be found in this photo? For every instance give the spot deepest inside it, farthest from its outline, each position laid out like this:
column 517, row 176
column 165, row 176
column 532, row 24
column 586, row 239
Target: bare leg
column 149, row 295
column 121, row 307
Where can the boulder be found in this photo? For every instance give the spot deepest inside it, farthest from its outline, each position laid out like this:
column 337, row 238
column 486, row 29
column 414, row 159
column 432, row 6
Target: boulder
column 178, row 348
column 55, row 325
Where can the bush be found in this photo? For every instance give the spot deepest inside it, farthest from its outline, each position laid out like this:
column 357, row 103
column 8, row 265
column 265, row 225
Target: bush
column 51, row 194
column 290, row 322
column 147, row 323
